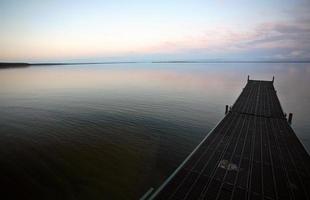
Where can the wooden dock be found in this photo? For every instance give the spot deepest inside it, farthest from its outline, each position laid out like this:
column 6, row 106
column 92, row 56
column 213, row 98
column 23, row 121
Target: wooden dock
column 253, row 153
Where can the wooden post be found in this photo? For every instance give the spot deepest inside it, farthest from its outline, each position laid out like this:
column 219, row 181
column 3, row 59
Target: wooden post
column 226, row 109
column 290, row 117
column 248, row 78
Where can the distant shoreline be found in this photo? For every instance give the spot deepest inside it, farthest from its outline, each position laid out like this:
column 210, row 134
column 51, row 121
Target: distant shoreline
column 22, row 64
column 13, row 65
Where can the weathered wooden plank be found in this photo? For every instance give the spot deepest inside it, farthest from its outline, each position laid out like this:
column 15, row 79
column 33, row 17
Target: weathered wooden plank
column 253, row 153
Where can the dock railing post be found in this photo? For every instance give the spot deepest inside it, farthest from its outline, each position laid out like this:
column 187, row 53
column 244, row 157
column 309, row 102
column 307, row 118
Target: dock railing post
column 248, row 78
column 226, row 109
column 290, row 117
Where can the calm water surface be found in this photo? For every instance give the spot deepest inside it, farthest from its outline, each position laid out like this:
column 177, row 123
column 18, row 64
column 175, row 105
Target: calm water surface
column 114, row 131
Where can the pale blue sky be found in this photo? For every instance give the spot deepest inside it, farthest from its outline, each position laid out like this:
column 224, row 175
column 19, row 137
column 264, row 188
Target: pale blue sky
column 98, row 30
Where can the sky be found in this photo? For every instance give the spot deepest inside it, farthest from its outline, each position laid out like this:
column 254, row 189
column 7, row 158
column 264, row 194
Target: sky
column 146, row 30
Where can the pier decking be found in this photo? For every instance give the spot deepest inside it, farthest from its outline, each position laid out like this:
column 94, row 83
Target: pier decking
column 253, row 153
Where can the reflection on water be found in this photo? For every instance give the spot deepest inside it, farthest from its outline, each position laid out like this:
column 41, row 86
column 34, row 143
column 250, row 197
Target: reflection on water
column 113, row 131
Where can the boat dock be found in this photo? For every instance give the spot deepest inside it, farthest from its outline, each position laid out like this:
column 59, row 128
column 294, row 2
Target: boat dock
column 253, row 153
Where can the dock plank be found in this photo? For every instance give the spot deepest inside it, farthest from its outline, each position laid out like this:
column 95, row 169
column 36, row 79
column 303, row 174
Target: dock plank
column 253, row 153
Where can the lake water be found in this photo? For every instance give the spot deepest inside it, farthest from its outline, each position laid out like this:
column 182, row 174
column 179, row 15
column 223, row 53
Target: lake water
column 114, row 131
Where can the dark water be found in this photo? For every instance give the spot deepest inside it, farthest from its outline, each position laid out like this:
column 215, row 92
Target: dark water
column 114, row 131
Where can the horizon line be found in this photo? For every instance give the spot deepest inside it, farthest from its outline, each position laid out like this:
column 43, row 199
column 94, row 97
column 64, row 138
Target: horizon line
column 156, row 61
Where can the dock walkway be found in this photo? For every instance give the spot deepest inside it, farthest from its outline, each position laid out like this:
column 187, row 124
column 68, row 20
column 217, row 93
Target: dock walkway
column 253, row 153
